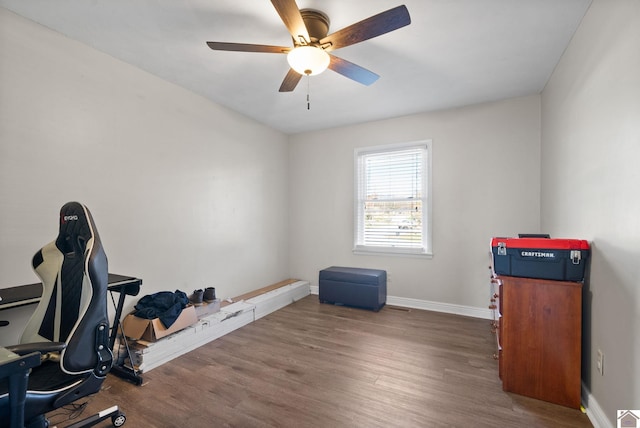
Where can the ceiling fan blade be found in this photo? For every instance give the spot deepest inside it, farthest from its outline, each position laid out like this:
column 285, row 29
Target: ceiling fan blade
column 352, row 71
column 246, row 47
column 290, row 15
column 290, row 81
column 369, row 28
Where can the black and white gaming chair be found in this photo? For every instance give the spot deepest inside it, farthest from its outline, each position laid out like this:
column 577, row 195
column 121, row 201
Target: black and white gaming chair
column 70, row 326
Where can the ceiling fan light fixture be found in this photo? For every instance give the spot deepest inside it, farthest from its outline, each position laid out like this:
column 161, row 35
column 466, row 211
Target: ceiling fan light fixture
column 308, row 60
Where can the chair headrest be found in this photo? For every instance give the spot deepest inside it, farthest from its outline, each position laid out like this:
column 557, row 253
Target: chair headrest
column 76, row 228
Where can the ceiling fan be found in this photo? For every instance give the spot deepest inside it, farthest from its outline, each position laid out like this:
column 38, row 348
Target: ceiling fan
column 311, row 44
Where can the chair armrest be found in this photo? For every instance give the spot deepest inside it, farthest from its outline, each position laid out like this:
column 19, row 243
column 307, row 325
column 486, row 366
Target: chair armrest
column 42, row 347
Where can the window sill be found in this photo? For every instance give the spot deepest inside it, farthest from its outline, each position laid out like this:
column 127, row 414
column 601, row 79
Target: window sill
column 377, row 251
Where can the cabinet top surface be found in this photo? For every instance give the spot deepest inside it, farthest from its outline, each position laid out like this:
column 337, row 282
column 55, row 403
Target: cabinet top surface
column 514, row 279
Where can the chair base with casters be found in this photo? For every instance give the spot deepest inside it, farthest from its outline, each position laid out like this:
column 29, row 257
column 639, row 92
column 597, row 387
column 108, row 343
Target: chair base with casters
column 69, row 328
column 117, row 418
column 80, row 389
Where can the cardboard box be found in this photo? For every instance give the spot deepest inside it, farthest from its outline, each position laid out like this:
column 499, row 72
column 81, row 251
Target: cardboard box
column 152, row 330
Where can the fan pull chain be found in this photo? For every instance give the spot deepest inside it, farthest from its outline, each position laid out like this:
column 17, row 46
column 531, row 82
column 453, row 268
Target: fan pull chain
column 308, row 102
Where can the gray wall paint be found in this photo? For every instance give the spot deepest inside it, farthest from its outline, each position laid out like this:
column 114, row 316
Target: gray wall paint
column 590, row 187
column 185, row 193
column 486, row 180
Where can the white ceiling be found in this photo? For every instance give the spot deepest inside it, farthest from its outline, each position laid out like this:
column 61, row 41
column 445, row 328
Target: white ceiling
column 454, row 53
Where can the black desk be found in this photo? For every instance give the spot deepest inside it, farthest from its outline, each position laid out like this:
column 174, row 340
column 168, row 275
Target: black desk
column 29, row 294
column 21, row 295
column 124, row 285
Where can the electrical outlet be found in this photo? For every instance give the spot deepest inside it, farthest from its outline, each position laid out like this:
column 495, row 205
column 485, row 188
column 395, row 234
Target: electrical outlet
column 600, row 362
column 388, row 276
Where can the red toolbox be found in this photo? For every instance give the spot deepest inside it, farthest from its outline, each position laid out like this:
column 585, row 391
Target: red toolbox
column 557, row 259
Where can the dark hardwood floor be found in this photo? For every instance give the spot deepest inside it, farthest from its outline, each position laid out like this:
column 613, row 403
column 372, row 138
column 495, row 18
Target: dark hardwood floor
column 317, row 365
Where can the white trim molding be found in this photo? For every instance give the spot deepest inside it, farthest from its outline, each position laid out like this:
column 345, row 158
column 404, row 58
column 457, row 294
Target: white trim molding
column 448, row 308
column 405, row 302
column 596, row 415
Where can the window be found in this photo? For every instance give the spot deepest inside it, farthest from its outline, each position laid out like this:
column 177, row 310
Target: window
column 393, row 199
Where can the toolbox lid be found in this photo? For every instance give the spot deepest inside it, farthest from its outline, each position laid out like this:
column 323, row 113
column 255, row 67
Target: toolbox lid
column 542, row 243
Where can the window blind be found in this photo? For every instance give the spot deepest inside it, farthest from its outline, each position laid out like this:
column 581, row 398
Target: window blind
column 391, row 198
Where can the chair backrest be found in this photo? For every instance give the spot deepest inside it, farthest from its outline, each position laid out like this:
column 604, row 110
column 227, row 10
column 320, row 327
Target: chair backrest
column 74, row 274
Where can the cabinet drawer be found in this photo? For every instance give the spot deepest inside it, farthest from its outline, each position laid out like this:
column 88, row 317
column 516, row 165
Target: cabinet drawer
column 540, row 339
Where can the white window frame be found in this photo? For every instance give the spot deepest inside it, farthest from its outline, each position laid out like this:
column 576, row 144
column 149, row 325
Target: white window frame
column 360, row 247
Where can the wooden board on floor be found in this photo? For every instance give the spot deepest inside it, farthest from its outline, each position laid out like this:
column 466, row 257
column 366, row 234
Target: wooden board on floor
column 259, row 291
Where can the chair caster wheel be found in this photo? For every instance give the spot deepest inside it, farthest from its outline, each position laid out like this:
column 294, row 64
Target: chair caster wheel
column 119, row 419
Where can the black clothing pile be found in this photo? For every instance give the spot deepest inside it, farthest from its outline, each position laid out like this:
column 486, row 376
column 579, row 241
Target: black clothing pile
column 164, row 305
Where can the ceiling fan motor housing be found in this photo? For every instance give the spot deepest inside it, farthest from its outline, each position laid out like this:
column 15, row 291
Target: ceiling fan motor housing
column 317, row 24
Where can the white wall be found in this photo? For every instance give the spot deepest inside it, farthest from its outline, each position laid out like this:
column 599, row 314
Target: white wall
column 590, row 187
column 185, row 193
column 486, row 175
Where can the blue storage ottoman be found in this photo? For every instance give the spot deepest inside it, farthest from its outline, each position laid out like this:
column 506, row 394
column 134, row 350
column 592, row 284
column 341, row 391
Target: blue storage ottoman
column 362, row 288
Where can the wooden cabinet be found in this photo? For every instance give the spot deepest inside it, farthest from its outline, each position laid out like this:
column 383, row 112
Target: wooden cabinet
column 539, row 333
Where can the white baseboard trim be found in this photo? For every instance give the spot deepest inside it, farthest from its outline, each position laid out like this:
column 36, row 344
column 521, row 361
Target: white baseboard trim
column 596, row 415
column 467, row 311
column 448, row 308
